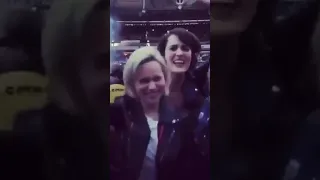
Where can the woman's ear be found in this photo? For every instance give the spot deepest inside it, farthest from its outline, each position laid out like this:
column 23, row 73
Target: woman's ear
column 130, row 92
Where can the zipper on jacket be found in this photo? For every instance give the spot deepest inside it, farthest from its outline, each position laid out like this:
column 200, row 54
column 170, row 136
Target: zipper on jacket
column 129, row 139
column 169, row 142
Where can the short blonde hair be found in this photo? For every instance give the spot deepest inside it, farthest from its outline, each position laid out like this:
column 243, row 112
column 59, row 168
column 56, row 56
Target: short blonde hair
column 135, row 61
column 64, row 27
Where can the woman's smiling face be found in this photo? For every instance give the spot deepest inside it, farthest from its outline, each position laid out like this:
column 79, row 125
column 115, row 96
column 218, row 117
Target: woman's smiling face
column 178, row 55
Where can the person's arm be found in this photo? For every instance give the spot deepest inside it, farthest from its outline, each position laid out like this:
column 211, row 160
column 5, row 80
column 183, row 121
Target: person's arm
column 116, row 116
column 304, row 162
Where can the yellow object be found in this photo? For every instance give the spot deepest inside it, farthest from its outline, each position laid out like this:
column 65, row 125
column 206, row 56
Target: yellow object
column 20, row 91
column 116, row 90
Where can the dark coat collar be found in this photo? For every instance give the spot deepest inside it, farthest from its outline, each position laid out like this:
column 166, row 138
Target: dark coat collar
column 134, row 110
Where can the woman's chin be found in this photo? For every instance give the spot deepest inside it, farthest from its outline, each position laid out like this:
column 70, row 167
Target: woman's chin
column 151, row 99
column 152, row 102
column 179, row 70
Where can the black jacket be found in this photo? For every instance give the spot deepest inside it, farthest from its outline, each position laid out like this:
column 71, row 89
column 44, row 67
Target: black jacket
column 72, row 147
column 201, row 77
column 177, row 155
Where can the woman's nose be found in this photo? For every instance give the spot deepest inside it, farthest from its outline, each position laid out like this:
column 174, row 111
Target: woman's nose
column 152, row 85
column 179, row 52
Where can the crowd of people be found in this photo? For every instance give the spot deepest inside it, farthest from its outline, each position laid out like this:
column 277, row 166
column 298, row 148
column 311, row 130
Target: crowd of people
column 72, row 129
column 259, row 119
column 157, row 122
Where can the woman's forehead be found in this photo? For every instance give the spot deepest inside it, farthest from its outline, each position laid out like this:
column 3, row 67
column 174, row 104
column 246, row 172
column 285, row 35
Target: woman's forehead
column 174, row 40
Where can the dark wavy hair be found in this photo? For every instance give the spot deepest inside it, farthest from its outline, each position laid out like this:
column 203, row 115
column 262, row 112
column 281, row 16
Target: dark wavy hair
column 188, row 38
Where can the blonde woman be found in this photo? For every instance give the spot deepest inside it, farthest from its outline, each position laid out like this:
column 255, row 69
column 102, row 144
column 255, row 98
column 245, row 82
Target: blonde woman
column 148, row 141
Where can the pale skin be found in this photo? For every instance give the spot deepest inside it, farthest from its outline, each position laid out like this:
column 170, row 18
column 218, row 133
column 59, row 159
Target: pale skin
column 178, row 57
column 150, row 86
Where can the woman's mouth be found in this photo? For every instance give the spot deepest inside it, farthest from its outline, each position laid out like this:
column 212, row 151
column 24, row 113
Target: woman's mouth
column 178, row 62
column 152, row 94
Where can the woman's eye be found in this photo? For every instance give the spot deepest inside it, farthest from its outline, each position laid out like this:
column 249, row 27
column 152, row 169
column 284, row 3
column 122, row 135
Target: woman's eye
column 174, row 48
column 157, row 78
column 185, row 48
column 144, row 80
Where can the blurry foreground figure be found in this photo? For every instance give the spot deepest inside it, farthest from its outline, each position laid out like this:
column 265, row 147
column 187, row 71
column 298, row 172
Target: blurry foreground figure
column 259, row 98
column 20, row 48
column 304, row 161
column 73, row 127
column 231, row 16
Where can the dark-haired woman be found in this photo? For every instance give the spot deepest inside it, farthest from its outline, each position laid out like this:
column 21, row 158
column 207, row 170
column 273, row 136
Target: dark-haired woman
column 180, row 48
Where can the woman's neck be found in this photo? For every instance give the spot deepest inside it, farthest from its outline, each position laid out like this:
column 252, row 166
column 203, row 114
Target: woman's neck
column 151, row 110
column 177, row 81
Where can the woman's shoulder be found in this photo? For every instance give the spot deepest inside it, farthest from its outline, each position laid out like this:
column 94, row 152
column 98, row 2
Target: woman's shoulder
column 193, row 96
column 119, row 110
column 122, row 102
column 118, row 102
column 194, row 86
column 116, row 108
